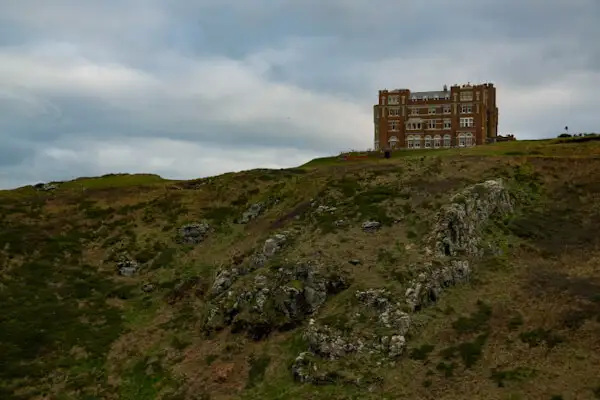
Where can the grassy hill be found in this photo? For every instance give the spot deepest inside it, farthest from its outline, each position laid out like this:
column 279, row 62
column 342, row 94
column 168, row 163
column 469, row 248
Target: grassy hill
column 481, row 280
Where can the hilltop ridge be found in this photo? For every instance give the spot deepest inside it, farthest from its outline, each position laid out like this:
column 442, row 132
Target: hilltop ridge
column 436, row 274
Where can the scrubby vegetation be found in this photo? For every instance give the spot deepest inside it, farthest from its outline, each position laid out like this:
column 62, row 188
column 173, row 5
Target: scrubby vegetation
column 294, row 283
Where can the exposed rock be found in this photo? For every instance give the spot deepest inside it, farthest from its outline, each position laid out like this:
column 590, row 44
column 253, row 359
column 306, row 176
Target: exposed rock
column 457, row 232
column 277, row 299
column 325, row 209
column 458, row 225
column 252, row 213
column 304, row 368
column 193, row 233
column 227, row 276
column 127, row 267
column 46, row 187
column 390, row 313
column 428, row 285
column 331, row 343
column 340, row 223
column 148, row 287
column 370, row 226
column 273, row 244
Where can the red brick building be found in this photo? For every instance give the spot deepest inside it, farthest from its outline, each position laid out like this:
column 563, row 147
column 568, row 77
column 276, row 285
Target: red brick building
column 461, row 116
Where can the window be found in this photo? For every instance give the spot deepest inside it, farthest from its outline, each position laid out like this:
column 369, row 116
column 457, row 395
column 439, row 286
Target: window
column 393, row 100
column 468, row 139
column 376, row 132
column 383, row 100
column 437, row 141
column 417, row 142
column 466, row 109
column 447, row 124
column 431, row 124
column 466, row 96
column 467, row 122
column 431, row 110
column 377, row 145
column 393, row 140
column 413, row 98
column 425, row 98
column 477, row 95
column 447, row 109
column 447, row 96
column 393, row 125
column 394, row 112
column 409, row 141
column 436, row 97
column 414, row 111
column 427, row 142
column 413, row 125
column 447, row 141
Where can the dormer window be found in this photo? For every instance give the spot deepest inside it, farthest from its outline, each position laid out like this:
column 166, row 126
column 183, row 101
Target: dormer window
column 425, row 98
column 436, row 97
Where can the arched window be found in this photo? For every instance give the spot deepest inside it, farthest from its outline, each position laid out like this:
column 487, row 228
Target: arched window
column 393, row 140
column 409, row 142
column 437, row 141
column 461, row 139
column 447, row 141
column 428, row 142
column 417, row 141
column 469, row 139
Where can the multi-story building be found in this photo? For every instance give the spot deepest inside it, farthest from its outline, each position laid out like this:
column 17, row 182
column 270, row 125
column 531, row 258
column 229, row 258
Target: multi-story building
column 463, row 116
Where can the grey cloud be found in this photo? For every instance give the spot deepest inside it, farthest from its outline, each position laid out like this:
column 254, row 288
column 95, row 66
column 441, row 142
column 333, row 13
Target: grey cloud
column 280, row 78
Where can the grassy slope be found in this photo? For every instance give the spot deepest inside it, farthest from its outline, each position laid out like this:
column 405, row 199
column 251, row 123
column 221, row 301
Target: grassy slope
column 526, row 328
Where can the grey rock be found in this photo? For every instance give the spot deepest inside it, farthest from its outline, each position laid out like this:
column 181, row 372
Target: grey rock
column 148, row 287
column 251, row 213
column 429, row 284
column 458, row 225
column 370, row 226
column 322, row 209
column 275, row 299
column 127, row 267
column 226, row 277
column 193, row 233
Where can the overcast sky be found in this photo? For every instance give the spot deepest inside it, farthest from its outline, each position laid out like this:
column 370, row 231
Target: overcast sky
column 190, row 88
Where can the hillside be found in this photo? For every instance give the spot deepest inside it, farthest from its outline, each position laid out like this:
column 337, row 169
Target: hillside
column 445, row 274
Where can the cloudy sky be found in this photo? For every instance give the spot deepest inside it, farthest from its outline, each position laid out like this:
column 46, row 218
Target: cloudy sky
column 190, row 88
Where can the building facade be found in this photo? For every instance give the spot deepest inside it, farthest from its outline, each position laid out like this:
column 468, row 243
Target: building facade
column 462, row 116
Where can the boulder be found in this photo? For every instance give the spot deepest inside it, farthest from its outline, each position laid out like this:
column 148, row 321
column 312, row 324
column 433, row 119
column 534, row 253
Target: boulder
column 193, row 233
column 251, row 213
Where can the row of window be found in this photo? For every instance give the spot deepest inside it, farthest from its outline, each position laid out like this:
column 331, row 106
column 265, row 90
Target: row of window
column 414, row 141
column 464, row 109
column 464, row 96
column 467, row 122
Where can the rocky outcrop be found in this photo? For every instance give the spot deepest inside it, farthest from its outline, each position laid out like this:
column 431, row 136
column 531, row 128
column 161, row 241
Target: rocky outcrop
column 458, row 225
column 227, row 276
column 275, row 299
column 193, row 233
column 457, row 232
column 427, row 287
column 127, row 267
column 253, row 212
